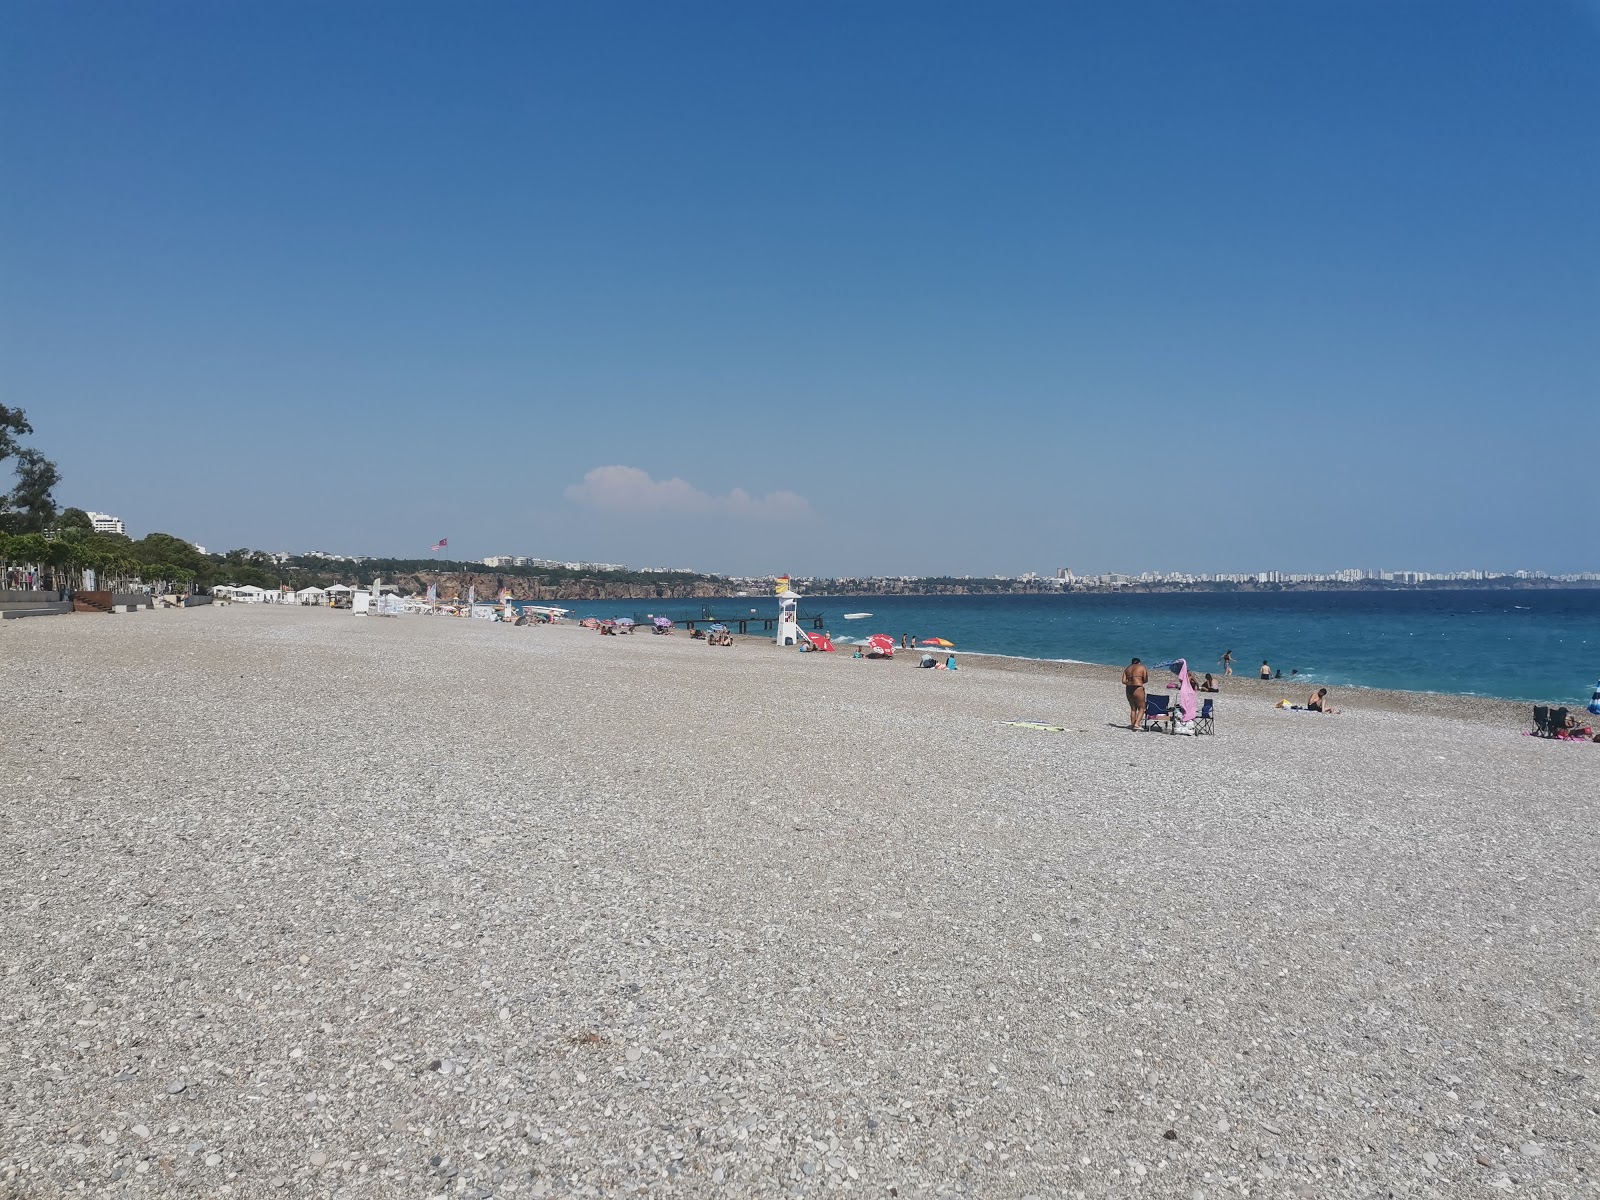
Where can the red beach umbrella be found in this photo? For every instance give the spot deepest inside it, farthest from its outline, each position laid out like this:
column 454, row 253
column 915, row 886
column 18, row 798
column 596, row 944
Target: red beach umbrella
column 881, row 641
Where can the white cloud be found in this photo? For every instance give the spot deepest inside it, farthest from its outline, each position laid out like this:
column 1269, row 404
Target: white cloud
column 628, row 489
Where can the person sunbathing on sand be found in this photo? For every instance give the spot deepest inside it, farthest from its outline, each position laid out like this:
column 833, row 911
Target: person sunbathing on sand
column 1210, row 685
column 1319, row 702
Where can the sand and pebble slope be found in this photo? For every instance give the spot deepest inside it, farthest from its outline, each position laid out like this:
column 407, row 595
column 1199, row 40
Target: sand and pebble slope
column 302, row 903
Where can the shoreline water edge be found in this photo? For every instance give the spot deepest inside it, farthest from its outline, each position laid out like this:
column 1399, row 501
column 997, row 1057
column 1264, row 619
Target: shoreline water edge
column 1460, row 649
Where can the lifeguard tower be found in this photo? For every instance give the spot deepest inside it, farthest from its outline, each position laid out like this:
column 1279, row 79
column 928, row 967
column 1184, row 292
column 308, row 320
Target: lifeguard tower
column 788, row 613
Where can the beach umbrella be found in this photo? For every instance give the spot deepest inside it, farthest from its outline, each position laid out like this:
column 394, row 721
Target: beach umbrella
column 881, row 641
column 660, row 622
column 719, row 627
column 626, row 621
column 938, row 642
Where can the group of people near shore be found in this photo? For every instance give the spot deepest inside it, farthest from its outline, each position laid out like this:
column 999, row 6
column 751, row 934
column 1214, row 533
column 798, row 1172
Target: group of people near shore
column 1136, row 679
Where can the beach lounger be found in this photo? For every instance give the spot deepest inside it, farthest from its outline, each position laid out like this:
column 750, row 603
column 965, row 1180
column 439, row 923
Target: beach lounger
column 1206, row 721
column 1156, row 710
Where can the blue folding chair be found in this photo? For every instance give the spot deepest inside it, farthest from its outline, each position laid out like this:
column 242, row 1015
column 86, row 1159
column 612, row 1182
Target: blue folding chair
column 1155, row 710
column 1206, row 722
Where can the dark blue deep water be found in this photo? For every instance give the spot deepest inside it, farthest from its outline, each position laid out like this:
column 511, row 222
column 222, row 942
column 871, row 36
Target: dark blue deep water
column 1522, row 644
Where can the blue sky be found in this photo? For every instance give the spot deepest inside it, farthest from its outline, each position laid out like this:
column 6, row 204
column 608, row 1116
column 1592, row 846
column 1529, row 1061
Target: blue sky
column 825, row 288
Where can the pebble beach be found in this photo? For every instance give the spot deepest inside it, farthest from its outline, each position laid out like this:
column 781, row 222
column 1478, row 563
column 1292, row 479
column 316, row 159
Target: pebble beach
column 301, row 903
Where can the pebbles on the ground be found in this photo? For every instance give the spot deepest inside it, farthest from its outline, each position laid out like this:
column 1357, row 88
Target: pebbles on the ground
column 316, row 904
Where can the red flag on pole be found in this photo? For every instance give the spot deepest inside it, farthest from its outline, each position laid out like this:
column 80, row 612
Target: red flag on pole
column 440, row 544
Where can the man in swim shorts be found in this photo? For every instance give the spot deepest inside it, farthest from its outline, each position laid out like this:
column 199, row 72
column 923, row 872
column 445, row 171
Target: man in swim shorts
column 1134, row 677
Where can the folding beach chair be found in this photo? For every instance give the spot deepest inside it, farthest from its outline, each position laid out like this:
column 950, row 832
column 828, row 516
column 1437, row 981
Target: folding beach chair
column 1541, row 720
column 1558, row 721
column 1155, row 710
column 1206, row 722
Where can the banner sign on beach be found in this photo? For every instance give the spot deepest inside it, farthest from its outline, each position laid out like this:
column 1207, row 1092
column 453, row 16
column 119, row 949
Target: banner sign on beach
column 783, row 585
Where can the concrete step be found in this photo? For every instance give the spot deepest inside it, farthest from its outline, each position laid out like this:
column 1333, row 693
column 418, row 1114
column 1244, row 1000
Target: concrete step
column 34, row 608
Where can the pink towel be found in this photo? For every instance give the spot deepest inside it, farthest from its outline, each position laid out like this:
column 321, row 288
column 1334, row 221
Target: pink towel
column 1186, row 707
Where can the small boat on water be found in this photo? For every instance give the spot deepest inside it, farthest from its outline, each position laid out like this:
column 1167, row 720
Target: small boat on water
column 855, row 616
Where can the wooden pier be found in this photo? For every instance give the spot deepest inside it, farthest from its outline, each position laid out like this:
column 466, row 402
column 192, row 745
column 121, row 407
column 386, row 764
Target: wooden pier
column 741, row 624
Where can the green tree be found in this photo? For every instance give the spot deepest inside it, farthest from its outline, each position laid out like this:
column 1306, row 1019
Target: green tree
column 165, row 548
column 13, row 425
column 74, row 518
column 31, row 505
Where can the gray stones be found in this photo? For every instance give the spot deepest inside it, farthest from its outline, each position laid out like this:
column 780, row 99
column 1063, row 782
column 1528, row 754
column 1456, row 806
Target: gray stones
column 1260, row 925
column 176, row 1087
column 1530, row 1149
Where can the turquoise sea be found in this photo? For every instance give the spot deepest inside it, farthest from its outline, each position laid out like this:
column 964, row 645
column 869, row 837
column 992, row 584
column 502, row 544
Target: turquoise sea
column 1534, row 644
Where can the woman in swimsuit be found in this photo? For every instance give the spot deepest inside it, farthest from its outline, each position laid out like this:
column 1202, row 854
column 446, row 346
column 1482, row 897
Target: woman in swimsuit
column 1134, row 677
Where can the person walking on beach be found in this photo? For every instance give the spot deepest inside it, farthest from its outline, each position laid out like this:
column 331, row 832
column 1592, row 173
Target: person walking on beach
column 1227, row 663
column 1134, row 677
column 1266, row 671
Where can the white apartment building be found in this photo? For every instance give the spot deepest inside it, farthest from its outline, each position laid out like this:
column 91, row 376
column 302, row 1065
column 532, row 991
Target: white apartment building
column 106, row 523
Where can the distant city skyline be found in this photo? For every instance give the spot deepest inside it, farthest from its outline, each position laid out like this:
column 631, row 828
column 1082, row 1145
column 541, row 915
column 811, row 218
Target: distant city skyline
column 847, row 289
column 1062, row 575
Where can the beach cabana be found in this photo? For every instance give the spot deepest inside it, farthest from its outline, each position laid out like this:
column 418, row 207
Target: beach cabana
column 310, row 595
